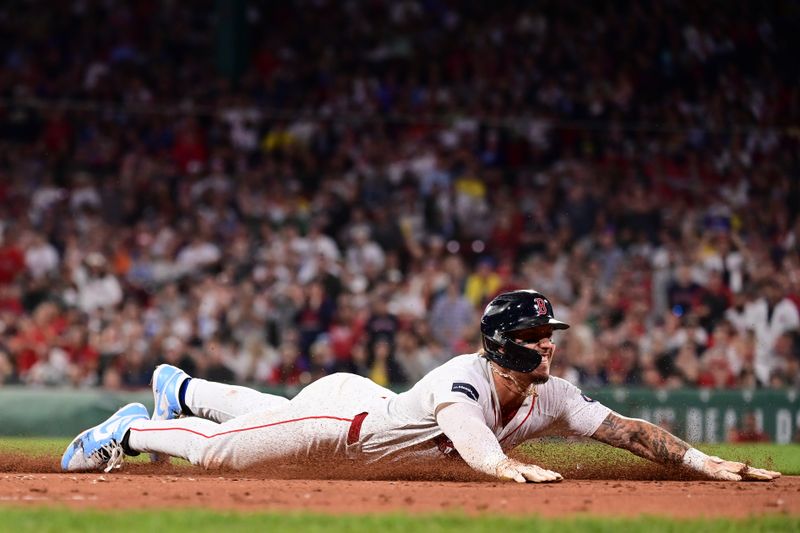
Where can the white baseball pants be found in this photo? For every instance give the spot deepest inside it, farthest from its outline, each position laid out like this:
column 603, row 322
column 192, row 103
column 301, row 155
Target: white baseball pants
column 237, row 427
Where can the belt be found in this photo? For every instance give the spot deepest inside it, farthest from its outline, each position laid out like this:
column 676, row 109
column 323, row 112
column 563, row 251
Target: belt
column 354, row 433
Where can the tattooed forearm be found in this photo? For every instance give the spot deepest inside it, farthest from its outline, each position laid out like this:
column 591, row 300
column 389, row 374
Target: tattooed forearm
column 642, row 438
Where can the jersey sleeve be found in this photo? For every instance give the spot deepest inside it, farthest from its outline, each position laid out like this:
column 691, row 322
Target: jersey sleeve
column 459, row 388
column 580, row 415
column 463, row 424
column 460, row 381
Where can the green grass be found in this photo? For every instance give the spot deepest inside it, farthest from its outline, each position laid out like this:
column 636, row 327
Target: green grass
column 33, row 446
column 782, row 457
column 59, row 520
column 46, row 446
column 785, row 458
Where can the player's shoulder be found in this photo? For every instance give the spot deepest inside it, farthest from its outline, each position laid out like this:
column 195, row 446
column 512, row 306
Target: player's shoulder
column 463, row 378
column 465, row 364
column 557, row 383
column 558, row 393
column 557, row 388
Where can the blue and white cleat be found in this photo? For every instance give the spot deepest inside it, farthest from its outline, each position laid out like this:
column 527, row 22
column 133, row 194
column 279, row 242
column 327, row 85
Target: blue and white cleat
column 167, row 380
column 101, row 446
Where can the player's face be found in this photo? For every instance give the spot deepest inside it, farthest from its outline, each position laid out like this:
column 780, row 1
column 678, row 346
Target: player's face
column 540, row 339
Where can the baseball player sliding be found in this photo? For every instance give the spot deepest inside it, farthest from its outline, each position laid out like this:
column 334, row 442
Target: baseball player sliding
column 479, row 406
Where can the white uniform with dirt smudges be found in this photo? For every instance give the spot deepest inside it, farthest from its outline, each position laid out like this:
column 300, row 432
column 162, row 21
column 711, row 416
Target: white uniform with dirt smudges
column 348, row 416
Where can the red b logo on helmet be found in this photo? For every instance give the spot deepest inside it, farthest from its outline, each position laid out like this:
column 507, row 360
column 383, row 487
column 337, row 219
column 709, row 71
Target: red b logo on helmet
column 541, row 306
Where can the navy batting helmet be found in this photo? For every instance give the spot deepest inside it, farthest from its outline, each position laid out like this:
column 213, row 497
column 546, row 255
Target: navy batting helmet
column 515, row 312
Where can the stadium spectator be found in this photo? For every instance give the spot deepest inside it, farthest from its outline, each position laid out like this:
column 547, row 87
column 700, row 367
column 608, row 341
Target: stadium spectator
column 290, row 368
column 12, row 257
column 747, row 431
column 161, row 210
column 450, row 316
column 770, row 316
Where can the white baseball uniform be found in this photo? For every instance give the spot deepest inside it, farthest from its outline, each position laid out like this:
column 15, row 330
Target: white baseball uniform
column 455, row 407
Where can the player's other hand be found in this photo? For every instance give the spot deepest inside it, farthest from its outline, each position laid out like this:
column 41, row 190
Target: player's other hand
column 717, row 468
column 521, row 473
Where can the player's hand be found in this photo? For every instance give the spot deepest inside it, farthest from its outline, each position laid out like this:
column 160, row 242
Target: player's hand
column 521, row 473
column 717, row 468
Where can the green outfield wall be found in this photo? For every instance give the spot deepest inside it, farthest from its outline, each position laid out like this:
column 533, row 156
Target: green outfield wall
column 696, row 415
column 706, row 416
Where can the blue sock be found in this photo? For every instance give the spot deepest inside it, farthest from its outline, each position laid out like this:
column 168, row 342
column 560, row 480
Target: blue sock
column 182, row 397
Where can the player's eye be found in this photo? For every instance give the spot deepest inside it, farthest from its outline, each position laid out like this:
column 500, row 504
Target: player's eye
column 532, row 336
column 534, row 341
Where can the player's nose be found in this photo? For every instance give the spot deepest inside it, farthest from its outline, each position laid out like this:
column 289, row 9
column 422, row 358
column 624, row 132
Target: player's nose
column 546, row 348
column 546, row 344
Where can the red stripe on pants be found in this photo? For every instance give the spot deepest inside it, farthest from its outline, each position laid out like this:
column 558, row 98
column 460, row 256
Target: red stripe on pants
column 245, row 429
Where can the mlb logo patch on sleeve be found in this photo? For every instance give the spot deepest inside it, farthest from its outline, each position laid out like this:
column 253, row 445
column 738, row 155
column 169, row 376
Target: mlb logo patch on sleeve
column 466, row 389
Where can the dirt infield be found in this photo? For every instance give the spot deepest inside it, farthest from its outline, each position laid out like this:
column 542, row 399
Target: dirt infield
column 28, row 481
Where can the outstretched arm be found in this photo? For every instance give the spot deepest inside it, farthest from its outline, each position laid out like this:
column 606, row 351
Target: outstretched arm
column 641, row 438
column 463, row 424
column 659, row 445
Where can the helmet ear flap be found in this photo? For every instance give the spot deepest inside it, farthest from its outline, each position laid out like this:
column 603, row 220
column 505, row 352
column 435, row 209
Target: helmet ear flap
column 510, row 354
column 524, row 359
column 492, row 346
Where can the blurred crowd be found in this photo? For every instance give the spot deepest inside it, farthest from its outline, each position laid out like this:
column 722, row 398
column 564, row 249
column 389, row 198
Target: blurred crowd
column 379, row 170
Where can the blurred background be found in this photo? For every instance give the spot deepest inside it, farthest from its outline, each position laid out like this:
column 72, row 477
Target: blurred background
column 266, row 194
